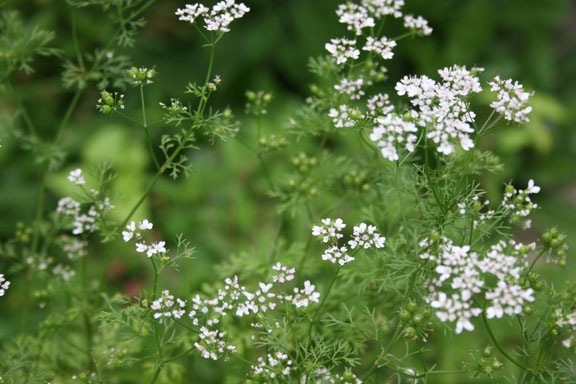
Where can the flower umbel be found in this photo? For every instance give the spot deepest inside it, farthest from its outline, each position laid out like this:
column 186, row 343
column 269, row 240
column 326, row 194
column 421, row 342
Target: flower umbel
column 217, row 18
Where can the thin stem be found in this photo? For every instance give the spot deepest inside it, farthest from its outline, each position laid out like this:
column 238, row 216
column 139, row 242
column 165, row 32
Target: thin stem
column 145, row 125
column 181, row 146
column 497, row 344
column 68, row 114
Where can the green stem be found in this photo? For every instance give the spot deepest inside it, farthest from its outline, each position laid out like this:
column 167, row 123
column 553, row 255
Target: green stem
column 146, row 131
column 68, row 114
column 199, row 112
column 497, row 344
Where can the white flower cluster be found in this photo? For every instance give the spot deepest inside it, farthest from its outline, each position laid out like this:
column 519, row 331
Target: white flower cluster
column 217, row 18
column 462, row 274
column 166, row 306
column 567, row 321
column 4, row 284
column 233, row 300
column 379, row 104
column 441, row 107
column 382, row 47
column 272, row 367
column 392, row 132
column 133, row 232
column 76, row 177
column 364, row 236
column 342, row 116
column 512, row 101
column 84, row 222
column 73, row 247
column 365, row 15
column 417, row 24
column 342, row 50
column 352, row 88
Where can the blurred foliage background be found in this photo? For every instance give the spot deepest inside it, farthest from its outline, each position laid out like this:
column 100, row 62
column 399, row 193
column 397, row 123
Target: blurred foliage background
column 533, row 41
column 222, row 203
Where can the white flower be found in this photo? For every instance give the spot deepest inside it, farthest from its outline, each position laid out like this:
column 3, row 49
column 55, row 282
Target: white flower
column 511, row 101
column 365, row 236
column 4, row 284
column 442, row 107
column 342, row 50
column 352, row 88
column 76, row 177
column 379, row 105
column 381, row 8
column 418, row 24
column 391, row 133
column 341, row 116
column 331, row 229
column 355, row 16
column 382, row 47
column 216, row 19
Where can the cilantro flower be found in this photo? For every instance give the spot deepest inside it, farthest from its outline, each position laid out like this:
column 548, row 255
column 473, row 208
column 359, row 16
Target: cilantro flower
column 217, row 18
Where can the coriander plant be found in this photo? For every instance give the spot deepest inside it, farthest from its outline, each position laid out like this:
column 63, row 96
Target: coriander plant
column 380, row 255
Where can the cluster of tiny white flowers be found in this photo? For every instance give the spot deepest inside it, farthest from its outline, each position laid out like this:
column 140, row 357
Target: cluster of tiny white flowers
column 83, row 222
column 342, row 50
column 73, row 247
column 76, row 177
column 352, row 88
column 324, row 376
column 519, row 204
column 217, row 18
column 379, row 104
column 567, row 321
column 382, row 47
column 364, row 236
column 329, row 230
column 392, row 131
column 64, row 271
column 418, row 24
column 463, row 274
column 213, row 343
column 381, row 8
column 233, row 299
column 511, row 101
column 341, row 116
column 271, row 367
column 167, row 307
column 4, row 284
column 442, row 107
column 355, row 17
column 133, row 232
column 283, row 274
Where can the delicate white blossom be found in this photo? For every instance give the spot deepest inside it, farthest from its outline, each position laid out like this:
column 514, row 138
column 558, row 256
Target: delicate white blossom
column 76, row 177
column 383, row 47
column 462, row 274
column 217, row 18
column 168, row 307
column 355, row 17
column 352, row 88
column 342, row 116
column 511, row 101
column 342, row 50
column 418, row 24
column 391, row 132
column 442, row 108
column 4, row 284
